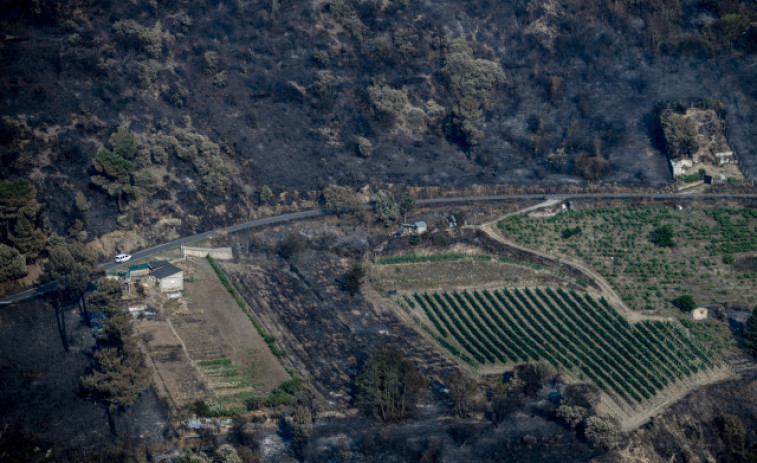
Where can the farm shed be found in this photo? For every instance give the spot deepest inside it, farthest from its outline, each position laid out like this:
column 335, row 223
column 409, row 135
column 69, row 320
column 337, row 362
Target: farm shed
column 169, row 278
column 139, row 271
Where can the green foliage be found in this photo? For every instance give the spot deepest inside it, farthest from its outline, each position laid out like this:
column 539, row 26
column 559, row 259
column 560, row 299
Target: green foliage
column 386, row 207
column 134, row 35
column 353, row 278
column 406, row 203
column 571, row 415
column 470, row 77
column 387, row 101
column 226, row 454
column 265, row 195
column 441, row 257
column 119, row 375
column 568, row 331
column 269, row 339
column 342, row 200
column 663, row 236
column 19, row 215
column 107, row 297
column 680, row 134
column 12, row 263
column 302, row 423
column 568, row 232
column 602, row 432
column 205, row 156
column 363, row 147
column 284, row 392
column 695, row 177
column 685, row 303
column 728, row 259
column 388, row 384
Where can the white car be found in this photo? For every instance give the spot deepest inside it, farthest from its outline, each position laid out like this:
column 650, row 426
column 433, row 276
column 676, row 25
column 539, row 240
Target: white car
column 123, row 258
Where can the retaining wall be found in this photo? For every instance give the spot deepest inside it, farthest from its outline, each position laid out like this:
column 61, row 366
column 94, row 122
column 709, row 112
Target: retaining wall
column 215, row 253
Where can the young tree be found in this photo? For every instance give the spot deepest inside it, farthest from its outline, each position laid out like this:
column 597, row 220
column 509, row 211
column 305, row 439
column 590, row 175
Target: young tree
column 663, row 236
column 680, row 134
column 406, row 204
column 386, row 207
column 73, row 266
column 113, row 173
column 353, row 278
column 388, row 385
column 685, row 303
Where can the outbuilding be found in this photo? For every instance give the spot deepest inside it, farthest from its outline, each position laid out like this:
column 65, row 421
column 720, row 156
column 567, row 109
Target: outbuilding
column 170, row 279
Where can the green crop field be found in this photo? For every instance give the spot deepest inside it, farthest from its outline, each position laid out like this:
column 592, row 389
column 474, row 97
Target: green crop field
column 572, row 331
column 703, row 260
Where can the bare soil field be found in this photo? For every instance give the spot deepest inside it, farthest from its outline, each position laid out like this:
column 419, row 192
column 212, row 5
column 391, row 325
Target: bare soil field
column 461, row 274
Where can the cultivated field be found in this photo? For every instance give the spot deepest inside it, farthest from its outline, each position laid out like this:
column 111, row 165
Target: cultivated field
column 637, row 366
column 709, row 260
column 207, row 349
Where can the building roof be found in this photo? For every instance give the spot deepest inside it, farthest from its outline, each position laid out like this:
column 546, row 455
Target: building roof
column 137, row 267
column 156, row 264
column 166, row 271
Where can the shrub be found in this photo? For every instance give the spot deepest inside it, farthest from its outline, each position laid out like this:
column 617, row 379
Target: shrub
column 133, row 34
column 663, row 236
column 685, row 302
column 602, row 432
column 680, row 134
column 571, row 415
column 363, row 147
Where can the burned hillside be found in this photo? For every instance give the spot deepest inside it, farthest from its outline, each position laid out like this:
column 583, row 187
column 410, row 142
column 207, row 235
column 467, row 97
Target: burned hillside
column 226, row 98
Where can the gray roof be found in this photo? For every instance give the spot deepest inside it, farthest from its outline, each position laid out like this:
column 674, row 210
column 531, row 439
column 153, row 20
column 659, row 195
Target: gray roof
column 156, row 264
column 166, row 271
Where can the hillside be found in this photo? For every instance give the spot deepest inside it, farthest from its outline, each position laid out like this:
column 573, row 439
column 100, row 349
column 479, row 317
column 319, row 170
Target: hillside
column 234, row 104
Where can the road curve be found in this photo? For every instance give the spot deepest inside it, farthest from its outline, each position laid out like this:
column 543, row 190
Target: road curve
column 39, row 290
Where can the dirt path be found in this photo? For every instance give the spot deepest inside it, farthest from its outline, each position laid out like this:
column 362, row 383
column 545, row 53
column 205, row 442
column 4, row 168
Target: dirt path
column 606, row 289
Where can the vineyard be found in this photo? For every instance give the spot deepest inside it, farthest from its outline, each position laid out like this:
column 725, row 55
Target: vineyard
column 575, row 332
column 703, row 261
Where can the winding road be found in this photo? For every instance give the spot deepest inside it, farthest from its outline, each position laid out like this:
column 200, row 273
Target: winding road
column 551, row 198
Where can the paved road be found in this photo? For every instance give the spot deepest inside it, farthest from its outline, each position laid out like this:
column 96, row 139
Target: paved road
column 421, row 202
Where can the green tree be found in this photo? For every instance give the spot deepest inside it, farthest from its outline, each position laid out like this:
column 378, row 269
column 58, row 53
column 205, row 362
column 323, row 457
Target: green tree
column 107, row 297
column 265, row 195
column 750, row 333
column 226, row 454
column 73, row 266
column 19, row 215
column 602, row 432
column 663, row 236
column 387, row 101
column 406, row 203
column 342, row 200
column 113, row 173
column 571, row 415
column 388, row 384
column 353, row 278
column 12, row 263
column 386, row 207
column 302, row 423
column 119, row 376
column 680, row 134
column 685, row 303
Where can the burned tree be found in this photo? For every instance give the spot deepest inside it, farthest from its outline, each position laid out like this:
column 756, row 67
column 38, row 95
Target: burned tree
column 389, row 385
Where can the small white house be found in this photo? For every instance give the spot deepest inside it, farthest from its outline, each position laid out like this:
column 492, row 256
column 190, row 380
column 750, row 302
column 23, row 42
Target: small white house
column 169, row 278
column 680, row 166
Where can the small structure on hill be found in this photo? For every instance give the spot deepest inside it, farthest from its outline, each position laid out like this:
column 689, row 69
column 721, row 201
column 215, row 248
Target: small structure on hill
column 139, row 271
column 417, row 228
column 700, row 313
column 170, row 280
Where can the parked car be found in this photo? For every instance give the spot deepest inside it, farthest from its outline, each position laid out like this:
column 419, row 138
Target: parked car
column 123, row 258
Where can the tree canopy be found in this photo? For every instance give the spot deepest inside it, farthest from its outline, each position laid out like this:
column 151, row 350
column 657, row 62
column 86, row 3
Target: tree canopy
column 388, row 384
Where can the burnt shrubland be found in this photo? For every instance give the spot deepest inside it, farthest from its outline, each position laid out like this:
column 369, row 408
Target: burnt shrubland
column 293, row 93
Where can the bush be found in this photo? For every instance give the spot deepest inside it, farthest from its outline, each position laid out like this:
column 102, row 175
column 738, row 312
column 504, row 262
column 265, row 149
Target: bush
column 680, row 134
column 133, row 34
column 685, row 302
column 602, row 432
column 571, row 415
column 662, row 236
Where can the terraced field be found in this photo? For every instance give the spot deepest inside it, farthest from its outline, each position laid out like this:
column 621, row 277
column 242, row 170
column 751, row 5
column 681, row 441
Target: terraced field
column 585, row 337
